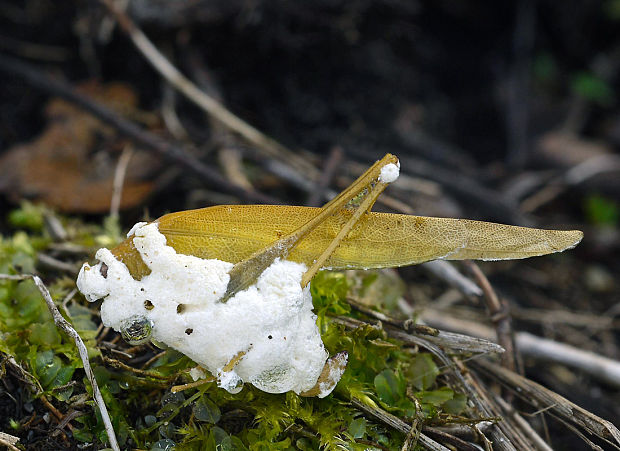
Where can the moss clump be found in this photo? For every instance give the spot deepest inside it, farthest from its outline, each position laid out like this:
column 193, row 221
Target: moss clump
column 146, row 415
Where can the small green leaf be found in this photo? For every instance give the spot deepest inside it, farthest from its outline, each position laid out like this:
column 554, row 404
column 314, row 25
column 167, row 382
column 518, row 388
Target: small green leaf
column 436, row 397
column 81, row 318
column 390, row 388
column 456, row 405
column 47, row 366
column 222, row 439
column 205, row 410
column 45, row 334
column 357, row 428
column 237, row 443
column 28, row 216
column 593, row 88
column 423, row 371
column 83, row 435
column 602, row 211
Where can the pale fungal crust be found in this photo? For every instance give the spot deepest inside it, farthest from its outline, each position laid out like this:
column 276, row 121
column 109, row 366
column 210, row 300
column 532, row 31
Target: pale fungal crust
column 269, row 328
column 389, row 173
column 335, row 367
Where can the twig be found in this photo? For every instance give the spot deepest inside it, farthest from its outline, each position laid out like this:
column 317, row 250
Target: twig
column 457, row 343
column 145, row 138
column 56, row 264
column 71, row 415
column 146, row 373
column 601, row 367
column 62, row 323
column 524, row 425
column 335, row 157
column 454, row 343
column 198, row 383
column 505, row 434
column 541, row 397
column 150, row 361
column 500, row 315
column 576, row 175
column 36, row 387
column 501, row 434
column 544, row 349
column 215, row 109
column 169, row 114
column 456, row 442
column 413, row 435
column 57, row 413
column 119, row 180
column 231, row 162
column 396, row 423
column 54, row 227
column 447, row 272
column 9, row 441
column 407, row 325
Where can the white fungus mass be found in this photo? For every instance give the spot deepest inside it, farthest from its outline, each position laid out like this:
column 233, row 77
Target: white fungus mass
column 389, row 173
column 269, row 330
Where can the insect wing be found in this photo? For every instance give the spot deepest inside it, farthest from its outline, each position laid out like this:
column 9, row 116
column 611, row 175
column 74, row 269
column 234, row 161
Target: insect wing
column 232, row 233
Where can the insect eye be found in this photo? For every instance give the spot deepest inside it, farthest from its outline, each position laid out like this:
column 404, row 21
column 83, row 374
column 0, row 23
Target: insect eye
column 137, row 330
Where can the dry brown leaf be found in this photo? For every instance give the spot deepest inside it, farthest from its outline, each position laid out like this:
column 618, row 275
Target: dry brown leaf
column 71, row 165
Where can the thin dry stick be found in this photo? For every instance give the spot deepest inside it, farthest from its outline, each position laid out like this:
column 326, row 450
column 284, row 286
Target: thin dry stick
column 544, row 349
column 232, row 164
column 541, row 397
column 198, row 383
column 407, row 325
column 215, row 109
column 169, row 114
column 57, row 413
column 146, row 373
column 536, row 439
column 447, row 272
column 456, row 343
column 396, row 423
column 9, row 441
column 459, row 378
column 500, row 315
column 119, row 180
column 335, row 157
column 63, row 324
column 36, row 387
column 574, row 176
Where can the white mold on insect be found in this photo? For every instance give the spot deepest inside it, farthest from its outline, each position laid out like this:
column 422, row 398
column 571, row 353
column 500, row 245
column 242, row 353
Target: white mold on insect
column 389, row 173
column 270, row 327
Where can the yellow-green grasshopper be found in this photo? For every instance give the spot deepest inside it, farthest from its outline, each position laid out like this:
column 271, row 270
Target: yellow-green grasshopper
column 343, row 234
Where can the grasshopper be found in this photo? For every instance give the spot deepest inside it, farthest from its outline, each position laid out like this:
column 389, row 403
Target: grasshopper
column 343, row 234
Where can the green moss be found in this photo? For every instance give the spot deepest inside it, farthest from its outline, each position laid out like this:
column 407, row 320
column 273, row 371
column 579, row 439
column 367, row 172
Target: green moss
column 147, row 416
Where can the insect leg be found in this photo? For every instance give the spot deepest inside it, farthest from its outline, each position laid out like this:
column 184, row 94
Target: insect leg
column 246, row 272
column 365, row 206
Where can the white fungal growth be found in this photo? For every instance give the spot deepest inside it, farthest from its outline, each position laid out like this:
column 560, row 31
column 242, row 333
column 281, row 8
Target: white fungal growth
column 336, row 368
column 389, row 173
column 269, row 328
